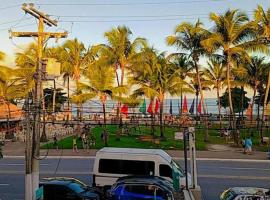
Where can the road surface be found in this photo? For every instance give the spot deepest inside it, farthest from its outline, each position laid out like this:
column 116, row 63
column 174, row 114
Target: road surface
column 214, row 176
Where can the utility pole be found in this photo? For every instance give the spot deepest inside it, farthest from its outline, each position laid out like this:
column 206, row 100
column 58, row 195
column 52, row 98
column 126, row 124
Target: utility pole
column 32, row 171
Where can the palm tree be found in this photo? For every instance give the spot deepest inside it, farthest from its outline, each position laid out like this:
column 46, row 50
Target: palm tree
column 73, row 57
column 157, row 77
column 188, row 37
column 233, row 36
column 215, row 74
column 262, row 19
column 186, row 66
column 255, row 70
column 100, row 84
column 118, row 52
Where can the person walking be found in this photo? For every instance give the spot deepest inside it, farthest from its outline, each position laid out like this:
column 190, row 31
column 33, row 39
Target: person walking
column 248, row 145
column 243, row 145
column 55, row 141
column 74, row 144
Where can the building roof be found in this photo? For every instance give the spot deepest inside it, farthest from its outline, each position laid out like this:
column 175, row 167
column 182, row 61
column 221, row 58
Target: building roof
column 9, row 110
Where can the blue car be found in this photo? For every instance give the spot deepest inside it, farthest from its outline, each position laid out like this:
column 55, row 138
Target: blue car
column 139, row 188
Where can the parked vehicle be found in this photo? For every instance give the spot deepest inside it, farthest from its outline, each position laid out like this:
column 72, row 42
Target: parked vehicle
column 62, row 188
column 113, row 163
column 141, row 187
column 245, row 193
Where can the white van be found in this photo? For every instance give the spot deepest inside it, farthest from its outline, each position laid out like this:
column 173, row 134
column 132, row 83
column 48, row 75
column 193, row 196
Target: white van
column 113, row 163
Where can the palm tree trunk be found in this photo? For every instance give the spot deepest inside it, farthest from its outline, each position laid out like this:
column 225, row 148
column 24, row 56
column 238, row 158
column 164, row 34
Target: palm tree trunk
column 265, row 103
column 231, row 118
column 242, row 102
column 230, row 94
column 206, row 136
column 181, row 101
column 161, row 101
column 253, row 101
column 68, row 94
column 219, row 108
column 104, row 124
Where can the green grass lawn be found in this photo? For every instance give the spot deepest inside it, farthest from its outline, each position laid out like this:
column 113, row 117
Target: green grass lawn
column 133, row 141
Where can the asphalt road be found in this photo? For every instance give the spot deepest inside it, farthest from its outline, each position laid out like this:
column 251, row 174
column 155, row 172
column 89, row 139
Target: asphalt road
column 214, row 176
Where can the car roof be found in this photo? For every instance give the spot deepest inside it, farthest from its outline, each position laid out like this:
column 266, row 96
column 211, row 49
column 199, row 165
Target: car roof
column 249, row 190
column 136, row 151
column 61, row 181
column 155, row 180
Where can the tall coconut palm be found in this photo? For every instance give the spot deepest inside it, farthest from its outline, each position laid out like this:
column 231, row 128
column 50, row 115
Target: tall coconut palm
column 157, row 77
column 233, row 36
column 118, row 51
column 73, row 58
column 100, row 84
column 188, row 37
column 255, row 69
column 215, row 74
column 262, row 18
column 186, row 66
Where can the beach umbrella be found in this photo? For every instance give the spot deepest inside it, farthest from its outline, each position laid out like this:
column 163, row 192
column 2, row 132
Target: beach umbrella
column 199, row 109
column 150, row 107
column 170, row 107
column 142, row 109
column 249, row 111
column 124, row 109
column 191, row 109
column 185, row 107
column 157, row 106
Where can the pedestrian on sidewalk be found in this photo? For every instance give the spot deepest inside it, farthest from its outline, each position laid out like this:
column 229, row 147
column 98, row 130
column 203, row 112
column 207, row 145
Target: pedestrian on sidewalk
column 55, row 142
column 74, row 144
column 248, row 145
column 243, row 145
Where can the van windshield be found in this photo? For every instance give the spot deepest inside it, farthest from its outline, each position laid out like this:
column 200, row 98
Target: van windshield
column 177, row 168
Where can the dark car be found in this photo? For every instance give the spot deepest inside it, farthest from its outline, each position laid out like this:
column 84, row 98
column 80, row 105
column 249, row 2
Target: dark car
column 245, row 193
column 67, row 189
column 139, row 188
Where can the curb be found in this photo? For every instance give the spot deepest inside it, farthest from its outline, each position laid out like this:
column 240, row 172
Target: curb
column 176, row 158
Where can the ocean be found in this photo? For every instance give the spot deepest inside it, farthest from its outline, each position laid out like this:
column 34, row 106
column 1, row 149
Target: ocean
column 94, row 106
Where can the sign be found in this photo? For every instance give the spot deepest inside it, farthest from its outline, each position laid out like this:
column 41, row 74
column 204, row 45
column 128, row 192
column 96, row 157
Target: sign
column 178, row 136
column 39, row 193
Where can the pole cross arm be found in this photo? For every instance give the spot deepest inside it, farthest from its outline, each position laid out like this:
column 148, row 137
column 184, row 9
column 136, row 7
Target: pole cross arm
column 36, row 34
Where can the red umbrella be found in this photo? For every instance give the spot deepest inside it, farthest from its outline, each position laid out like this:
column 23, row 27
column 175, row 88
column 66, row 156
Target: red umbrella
column 199, row 109
column 185, row 107
column 157, row 106
column 150, row 107
column 124, row 109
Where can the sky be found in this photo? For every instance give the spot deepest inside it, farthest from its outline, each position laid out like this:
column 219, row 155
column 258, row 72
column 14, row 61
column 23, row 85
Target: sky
column 87, row 20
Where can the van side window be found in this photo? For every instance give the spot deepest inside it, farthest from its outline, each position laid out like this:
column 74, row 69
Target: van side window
column 133, row 167
column 165, row 170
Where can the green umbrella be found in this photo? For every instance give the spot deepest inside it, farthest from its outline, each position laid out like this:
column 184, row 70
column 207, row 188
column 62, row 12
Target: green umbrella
column 142, row 109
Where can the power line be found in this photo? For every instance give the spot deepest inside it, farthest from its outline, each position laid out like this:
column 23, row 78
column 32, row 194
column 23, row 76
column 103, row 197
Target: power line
column 127, row 20
column 17, row 20
column 134, row 16
column 128, row 4
column 24, row 25
column 11, row 6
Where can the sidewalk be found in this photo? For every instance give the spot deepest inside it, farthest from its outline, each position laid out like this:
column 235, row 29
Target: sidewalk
column 18, row 149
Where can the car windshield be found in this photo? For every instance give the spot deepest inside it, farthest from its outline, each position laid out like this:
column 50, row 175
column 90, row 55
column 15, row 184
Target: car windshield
column 77, row 188
column 177, row 168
